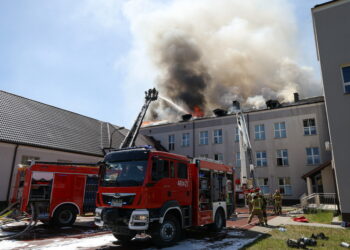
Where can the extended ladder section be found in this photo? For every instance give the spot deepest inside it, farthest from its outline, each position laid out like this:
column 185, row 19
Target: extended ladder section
column 244, row 146
column 129, row 140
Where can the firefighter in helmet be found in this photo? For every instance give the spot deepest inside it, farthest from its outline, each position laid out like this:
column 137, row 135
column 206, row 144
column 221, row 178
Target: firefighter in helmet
column 277, row 200
column 249, row 200
column 257, row 209
column 264, row 206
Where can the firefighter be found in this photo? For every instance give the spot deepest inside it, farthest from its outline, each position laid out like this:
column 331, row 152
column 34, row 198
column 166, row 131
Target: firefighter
column 257, row 207
column 277, row 200
column 264, row 207
column 249, row 200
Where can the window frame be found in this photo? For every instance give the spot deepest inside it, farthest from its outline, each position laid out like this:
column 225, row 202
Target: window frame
column 261, row 161
column 171, row 143
column 284, row 185
column 185, row 140
column 260, row 132
column 218, row 138
column 265, row 187
column 236, row 134
column 204, row 140
column 283, row 157
column 315, row 158
column 309, row 128
column 218, row 158
column 279, row 131
column 345, row 83
column 238, row 159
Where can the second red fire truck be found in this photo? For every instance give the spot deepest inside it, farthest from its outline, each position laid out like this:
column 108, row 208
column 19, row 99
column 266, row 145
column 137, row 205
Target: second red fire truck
column 57, row 192
column 161, row 194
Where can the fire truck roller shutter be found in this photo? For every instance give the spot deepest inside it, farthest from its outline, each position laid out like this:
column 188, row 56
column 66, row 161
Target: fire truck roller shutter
column 172, row 207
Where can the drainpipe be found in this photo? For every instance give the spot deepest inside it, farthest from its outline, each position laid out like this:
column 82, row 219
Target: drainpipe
column 11, row 175
column 336, row 190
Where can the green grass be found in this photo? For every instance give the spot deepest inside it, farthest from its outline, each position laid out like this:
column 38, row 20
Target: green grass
column 277, row 240
column 320, row 217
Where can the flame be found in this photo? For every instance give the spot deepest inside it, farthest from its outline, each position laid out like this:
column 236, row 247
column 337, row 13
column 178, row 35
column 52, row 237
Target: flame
column 197, row 112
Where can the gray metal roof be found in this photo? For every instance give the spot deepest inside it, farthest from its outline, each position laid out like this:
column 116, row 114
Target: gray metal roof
column 28, row 122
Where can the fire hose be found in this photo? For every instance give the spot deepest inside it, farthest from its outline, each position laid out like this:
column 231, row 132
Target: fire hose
column 30, row 225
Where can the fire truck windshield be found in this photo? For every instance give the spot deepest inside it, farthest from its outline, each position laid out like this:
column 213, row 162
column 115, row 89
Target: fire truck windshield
column 123, row 174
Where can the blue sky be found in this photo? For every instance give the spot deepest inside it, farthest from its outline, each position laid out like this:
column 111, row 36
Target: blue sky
column 80, row 55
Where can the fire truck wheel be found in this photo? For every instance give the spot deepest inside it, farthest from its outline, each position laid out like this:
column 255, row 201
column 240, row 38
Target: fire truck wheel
column 124, row 239
column 219, row 221
column 65, row 216
column 167, row 233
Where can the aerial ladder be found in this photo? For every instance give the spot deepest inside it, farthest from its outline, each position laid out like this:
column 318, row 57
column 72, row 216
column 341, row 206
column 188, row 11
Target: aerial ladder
column 129, row 141
column 247, row 177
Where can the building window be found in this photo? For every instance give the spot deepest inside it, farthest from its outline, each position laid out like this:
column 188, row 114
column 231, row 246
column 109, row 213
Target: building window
column 346, row 79
column 280, row 130
column 313, row 156
column 185, row 140
column 263, row 183
column 204, row 156
column 309, row 126
column 218, row 157
column 284, row 185
column 203, row 138
column 25, row 160
column 218, row 136
column 236, row 135
column 260, row 132
column 282, row 157
column 171, row 140
column 238, row 159
column 261, row 159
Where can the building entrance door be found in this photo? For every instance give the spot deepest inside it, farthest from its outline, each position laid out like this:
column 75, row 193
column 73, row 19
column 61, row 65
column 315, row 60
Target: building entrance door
column 317, row 184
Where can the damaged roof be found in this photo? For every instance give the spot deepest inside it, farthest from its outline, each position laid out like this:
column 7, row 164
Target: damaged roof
column 28, row 122
column 306, row 101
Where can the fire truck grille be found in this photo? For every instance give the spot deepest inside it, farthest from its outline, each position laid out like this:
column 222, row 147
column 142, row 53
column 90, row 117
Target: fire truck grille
column 127, row 200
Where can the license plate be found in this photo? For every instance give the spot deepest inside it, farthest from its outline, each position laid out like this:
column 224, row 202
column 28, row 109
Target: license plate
column 117, row 203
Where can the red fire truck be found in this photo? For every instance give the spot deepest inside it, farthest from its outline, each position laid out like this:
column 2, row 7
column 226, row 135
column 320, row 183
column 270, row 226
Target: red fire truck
column 57, row 192
column 161, row 193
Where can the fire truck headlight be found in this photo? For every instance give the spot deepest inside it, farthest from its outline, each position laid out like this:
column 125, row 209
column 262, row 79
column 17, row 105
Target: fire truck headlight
column 140, row 217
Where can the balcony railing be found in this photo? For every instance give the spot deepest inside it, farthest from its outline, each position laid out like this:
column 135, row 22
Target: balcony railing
column 319, row 201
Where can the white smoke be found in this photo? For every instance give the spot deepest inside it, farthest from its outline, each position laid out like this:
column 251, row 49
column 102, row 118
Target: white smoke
column 247, row 50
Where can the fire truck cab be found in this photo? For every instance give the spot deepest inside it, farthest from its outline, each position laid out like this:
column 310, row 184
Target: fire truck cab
column 57, row 191
column 161, row 194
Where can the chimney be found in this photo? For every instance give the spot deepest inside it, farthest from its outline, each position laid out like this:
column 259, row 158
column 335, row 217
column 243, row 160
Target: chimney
column 296, row 97
column 186, row 117
column 220, row 112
